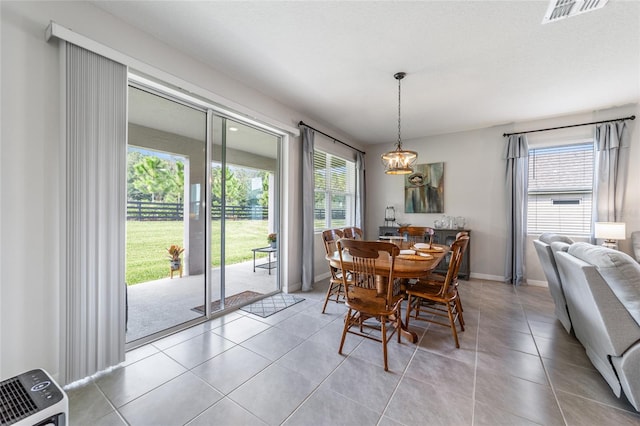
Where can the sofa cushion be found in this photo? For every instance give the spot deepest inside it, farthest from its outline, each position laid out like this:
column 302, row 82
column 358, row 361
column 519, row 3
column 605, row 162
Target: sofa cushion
column 550, row 237
column 618, row 269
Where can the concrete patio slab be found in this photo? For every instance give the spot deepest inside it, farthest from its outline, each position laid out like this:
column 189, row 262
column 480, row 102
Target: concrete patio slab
column 161, row 304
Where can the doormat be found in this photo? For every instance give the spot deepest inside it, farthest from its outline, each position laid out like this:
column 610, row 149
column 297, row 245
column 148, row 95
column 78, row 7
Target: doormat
column 236, row 299
column 272, row 304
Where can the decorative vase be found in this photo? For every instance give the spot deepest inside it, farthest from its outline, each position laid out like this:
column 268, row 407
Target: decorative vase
column 175, row 264
column 272, row 244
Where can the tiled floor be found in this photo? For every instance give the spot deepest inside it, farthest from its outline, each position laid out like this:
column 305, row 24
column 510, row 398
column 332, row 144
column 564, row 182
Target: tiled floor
column 516, row 366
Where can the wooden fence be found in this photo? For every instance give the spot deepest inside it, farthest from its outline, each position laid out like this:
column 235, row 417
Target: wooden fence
column 148, row 211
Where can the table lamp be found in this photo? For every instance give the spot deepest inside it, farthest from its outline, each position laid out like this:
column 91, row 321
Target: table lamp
column 610, row 232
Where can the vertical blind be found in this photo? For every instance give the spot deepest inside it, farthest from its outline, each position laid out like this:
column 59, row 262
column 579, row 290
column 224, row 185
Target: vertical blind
column 334, row 181
column 96, row 124
column 560, row 189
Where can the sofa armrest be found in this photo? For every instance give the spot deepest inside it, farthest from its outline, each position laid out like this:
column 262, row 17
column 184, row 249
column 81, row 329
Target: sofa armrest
column 548, row 262
column 628, row 369
column 618, row 269
column 599, row 319
column 635, row 244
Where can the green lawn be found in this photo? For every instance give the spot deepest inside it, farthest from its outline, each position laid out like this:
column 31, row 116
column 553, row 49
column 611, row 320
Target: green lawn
column 147, row 244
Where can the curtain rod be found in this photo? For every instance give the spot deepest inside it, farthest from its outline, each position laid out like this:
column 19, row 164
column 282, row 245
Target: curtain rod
column 302, row 123
column 632, row 117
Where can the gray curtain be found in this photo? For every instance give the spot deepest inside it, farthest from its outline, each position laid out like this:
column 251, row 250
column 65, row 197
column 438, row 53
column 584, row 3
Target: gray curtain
column 611, row 164
column 517, row 153
column 360, row 191
column 94, row 236
column 307, row 209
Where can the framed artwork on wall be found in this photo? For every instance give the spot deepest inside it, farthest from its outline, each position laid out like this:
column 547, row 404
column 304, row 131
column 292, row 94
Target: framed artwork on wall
column 424, row 189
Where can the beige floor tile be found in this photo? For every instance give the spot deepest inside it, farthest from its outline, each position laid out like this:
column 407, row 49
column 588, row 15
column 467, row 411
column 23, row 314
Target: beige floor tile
column 420, row 403
column 517, row 396
column 273, row 394
column 173, row 403
column 580, row 411
column 516, row 366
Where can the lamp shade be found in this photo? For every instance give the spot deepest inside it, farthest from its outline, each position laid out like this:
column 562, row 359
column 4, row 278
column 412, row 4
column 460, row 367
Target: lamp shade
column 610, row 230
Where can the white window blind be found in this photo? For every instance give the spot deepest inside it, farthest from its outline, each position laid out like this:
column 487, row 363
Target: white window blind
column 560, row 189
column 334, row 180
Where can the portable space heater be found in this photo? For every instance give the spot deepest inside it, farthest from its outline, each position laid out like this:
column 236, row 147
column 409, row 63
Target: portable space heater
column 33, row 399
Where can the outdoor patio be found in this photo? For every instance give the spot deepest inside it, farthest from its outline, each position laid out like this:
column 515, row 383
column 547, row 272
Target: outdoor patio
column 157, row 305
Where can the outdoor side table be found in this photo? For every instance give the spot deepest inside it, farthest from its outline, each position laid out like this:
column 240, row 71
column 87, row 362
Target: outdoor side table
column 270, row 264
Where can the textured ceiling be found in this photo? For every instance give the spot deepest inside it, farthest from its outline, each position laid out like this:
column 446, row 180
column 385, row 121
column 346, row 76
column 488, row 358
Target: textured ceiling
column 469, row 64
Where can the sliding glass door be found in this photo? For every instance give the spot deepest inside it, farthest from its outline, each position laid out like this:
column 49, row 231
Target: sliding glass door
column 202, row 212
column 244, row 195
column 166, row 216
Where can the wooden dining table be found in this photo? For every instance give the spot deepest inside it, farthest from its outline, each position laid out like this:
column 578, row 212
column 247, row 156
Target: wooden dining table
column 406, row 267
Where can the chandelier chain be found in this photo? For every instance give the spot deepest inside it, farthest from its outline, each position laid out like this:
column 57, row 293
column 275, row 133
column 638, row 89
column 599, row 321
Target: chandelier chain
column 399, row 99
column 399, row 162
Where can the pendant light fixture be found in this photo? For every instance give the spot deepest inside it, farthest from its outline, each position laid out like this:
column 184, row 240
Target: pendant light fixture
column 398, row 161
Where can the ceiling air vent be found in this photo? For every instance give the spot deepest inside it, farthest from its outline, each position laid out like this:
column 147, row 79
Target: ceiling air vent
column 560, row 9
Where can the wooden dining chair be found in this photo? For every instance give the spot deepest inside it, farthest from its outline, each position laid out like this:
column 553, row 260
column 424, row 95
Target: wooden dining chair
column 417, row 234
column 370, row 295
column 455, row 277
column 437, row 278
column 336, row 289
column 353, row 232
column 429, row 301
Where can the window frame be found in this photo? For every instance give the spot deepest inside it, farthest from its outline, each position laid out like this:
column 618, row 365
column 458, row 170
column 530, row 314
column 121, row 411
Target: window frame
column 558, row 193
column 329, row 193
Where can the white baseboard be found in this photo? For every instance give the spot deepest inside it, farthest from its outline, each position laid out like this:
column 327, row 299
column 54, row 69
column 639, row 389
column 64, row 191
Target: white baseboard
column 321, row 277
column 538, row 283
column 487, row 277
column 291, row 288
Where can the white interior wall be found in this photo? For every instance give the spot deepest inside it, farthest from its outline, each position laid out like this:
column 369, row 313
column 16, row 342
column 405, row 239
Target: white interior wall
column 29, row 284
column 473, row 188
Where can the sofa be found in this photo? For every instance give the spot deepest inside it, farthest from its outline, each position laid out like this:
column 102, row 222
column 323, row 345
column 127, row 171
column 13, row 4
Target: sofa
column 547, row 260
column 602, row 290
